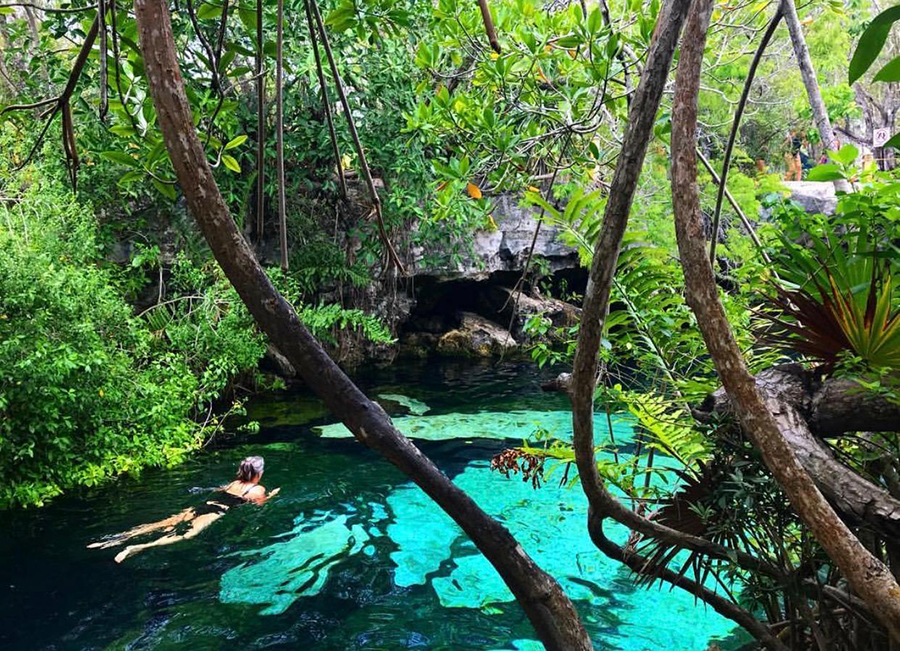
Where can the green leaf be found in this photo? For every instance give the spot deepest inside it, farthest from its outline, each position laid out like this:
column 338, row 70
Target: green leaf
column 893, row 142
column 119, row 157
column 342, row 18
column 871, row 42
column 248, row 18
column 595, row 21
column 226, row 60
column 165, row 189
column 569, row 41
column 847, row 154
column 236, row 142
column 208, row 11
column 827, row 172
column 231, row 163
column 122, row 130
column 130, row 177
column 489, row 118
column 890, row 72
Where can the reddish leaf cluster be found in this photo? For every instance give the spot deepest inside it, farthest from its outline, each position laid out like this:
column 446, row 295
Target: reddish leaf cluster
column 513, row 460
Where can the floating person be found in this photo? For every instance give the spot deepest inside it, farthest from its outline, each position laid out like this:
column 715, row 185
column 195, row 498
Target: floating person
column 245, row 488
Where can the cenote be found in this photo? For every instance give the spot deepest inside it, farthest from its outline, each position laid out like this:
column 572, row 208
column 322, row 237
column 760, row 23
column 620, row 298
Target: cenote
column 350, row 555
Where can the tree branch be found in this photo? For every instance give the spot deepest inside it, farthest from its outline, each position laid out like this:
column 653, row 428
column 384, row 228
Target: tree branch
column 554, row 617
column 638, row 131
column 867, row 575
column 735, row 125
column 260, row 126
column 489, row 26
column 392, row 257
column 279, row 134
column 638, row 564
column 796, row 401
column 326, row 102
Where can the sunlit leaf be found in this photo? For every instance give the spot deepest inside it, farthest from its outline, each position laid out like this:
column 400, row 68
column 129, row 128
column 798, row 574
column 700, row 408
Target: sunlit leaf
column 231, row 163
column 826, row 172
column 236, row 142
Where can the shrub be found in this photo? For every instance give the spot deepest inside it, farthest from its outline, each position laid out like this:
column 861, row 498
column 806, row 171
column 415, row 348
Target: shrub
column 87, row 391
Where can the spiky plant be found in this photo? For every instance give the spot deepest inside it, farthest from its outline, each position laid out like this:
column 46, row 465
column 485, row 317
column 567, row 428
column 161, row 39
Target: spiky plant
column 833, row 301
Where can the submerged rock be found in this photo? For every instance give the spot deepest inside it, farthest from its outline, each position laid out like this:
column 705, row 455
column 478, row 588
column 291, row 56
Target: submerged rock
column 476, row 337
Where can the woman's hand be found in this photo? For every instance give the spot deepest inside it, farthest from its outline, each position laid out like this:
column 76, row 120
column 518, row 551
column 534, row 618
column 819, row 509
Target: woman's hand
column 273, row 493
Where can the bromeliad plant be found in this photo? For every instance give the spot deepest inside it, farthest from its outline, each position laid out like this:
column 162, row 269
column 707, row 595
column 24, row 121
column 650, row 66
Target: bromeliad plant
column 834, row 302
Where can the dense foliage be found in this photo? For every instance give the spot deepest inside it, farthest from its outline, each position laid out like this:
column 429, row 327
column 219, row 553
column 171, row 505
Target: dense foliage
column 87, row 390
column 106, row 367
column 90, row 387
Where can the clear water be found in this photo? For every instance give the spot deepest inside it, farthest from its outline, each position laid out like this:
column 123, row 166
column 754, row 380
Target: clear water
column 350, row 556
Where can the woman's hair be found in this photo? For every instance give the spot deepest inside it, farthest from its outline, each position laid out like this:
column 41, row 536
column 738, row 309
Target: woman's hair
column 250, row 467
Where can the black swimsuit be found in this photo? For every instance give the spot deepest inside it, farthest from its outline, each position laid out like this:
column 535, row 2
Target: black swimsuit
column 221, row 503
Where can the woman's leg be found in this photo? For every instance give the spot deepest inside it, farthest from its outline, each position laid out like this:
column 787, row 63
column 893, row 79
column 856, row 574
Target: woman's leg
column 788, row 167
column 167, row 525
column 198, row 524
column 798, row 168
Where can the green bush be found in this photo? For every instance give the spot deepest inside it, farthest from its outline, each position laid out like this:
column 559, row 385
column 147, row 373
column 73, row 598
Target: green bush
column 88, row 391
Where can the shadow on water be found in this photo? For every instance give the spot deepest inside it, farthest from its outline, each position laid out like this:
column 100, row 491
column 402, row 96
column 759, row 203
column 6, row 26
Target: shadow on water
column 349, row 556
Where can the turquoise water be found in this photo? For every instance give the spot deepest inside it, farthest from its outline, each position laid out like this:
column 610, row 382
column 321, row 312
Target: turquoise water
column 351, row 555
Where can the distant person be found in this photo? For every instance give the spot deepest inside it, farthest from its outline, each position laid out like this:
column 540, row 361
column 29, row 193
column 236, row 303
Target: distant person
column 792, row 161
column 245, row 488
column 761, row 167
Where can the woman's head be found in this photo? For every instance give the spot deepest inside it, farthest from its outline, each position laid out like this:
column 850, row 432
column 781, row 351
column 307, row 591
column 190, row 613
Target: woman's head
column 251, row 469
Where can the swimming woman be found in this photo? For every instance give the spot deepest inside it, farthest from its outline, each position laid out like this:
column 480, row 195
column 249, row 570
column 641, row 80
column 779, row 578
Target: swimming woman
column 245, row 488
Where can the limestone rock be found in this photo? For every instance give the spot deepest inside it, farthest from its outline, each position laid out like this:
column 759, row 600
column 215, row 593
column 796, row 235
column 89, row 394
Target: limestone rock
column 813, row 196
column 476, row 337
column 506, row 248
column 513, row 308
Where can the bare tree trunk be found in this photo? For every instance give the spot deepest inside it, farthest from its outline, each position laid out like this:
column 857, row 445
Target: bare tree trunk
column 260, row 125
column 638, row 131
column 548, row 608
column 804, row 62
column 867, row 575
column 279, row 133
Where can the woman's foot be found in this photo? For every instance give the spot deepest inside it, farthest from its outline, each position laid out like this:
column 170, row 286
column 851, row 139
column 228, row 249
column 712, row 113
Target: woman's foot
column 125, row 553
column 112, row 541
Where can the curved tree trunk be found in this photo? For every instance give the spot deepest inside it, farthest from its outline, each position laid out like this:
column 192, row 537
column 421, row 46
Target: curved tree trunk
column 806, row 410
column 551, row 612
column 866, row 574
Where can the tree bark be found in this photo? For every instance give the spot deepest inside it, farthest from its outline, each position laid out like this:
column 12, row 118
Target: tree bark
column 489, row 26
column 804, row 62
column 279, row 135
column 639, row 128
column 797, row 403
column 642, row 116
column 548, row 608
column 866, row 574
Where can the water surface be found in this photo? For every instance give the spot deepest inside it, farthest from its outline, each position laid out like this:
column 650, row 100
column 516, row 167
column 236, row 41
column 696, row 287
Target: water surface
column 351, row 555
